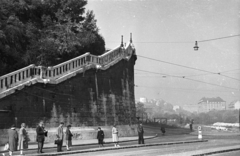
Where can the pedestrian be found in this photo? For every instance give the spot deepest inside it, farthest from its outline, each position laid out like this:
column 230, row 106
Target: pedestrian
column 140, row 134
column 23, row 139
column 60, row 137
column 163, row 129
column 12, row 139
column 41, row 133
column 100, row 136
column 190, row 125
column 115, row 136
column 68, row 138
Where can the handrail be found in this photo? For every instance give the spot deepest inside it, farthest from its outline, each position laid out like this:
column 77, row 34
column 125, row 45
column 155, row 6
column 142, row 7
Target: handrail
column 42, row 73
column 17, row 77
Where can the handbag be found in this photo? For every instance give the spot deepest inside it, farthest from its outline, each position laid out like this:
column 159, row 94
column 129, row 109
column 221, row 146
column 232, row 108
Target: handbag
column 57, row 142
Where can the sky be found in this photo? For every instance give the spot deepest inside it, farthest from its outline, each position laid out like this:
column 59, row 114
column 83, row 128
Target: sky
column 166, row 31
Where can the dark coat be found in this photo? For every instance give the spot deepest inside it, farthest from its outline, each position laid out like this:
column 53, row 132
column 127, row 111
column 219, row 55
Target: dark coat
column 68, row 134
column 140, row 130
column 163, row 129
column 40, row 134
column 12, row 139
column 100, row 134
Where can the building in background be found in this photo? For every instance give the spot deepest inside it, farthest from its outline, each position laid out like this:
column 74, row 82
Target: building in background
column 208, row 104
column 234, row 105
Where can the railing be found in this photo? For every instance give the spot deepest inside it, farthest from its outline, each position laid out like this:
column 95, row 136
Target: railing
column 52, row 73
column 65, row 67
column 18, row 77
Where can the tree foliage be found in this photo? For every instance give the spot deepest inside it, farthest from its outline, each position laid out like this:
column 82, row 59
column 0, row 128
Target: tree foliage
column 46, row 32
column 226, row 116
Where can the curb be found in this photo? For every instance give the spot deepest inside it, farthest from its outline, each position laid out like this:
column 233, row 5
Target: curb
column 123, row 147
column 89, row 144
column 216, row 152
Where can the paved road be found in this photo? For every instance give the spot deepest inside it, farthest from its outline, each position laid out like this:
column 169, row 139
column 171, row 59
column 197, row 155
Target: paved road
column 171, row 150
column 234, row 153
column 214, row 142
column 147, row 141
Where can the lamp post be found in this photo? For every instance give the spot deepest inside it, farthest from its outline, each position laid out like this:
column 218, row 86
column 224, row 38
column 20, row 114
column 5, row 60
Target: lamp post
column 196, row 46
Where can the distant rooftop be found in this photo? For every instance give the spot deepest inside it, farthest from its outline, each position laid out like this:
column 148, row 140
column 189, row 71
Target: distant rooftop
column 217, row 99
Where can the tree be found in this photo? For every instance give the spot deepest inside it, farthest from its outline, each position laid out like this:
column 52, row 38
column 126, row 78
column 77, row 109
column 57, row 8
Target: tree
column 140, row 110
column 46, row 32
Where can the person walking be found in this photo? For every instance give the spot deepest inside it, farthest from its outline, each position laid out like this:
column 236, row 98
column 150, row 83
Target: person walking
column 68, row 138
column 60, row 137
column 100, row 136
column 41, row 133
column 23, row 139
column 163, row 129
column 12, row 139
column 140, row 134
column 115, row 136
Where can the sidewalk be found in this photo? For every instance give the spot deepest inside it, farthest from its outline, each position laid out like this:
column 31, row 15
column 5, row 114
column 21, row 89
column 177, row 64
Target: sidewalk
column 89, row 142
column 117, row 148
column 49, row 145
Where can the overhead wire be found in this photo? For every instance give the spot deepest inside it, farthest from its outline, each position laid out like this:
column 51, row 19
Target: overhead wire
column 187, row 67
column 187, row 90
column 219, row 38
column 187, row 79
column 140, row 74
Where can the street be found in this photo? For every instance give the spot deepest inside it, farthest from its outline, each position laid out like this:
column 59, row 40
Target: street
column 214, row 143
column 179, row 149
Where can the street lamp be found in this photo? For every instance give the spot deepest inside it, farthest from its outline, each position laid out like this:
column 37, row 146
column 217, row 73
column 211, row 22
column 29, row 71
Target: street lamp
column 196, row 46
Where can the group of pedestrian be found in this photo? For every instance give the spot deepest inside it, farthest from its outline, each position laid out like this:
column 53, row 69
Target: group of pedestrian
column 42, row 133
column 17, row 140
column 115, row 136
column 20, row 140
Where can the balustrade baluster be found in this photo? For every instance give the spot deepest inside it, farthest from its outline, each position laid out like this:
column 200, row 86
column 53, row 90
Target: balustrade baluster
column 49, row 73
column 11, row 79
column 23, row 76
column 27, row 73
column 6, row 82
column 19, row 76
column 1, row 84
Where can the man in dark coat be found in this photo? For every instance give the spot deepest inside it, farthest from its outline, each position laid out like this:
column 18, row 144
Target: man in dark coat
column 41, row 133
column 12, row 139
column 100, row 136
column 140, row 134
column 163, row 129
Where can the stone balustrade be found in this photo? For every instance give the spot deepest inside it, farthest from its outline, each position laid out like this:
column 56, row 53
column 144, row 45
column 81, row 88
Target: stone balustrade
column 65, row 67
column 42, row 73
column 18, row 77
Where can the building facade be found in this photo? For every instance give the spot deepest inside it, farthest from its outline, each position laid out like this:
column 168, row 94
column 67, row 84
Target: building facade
column 234, row 105
column 208, row 104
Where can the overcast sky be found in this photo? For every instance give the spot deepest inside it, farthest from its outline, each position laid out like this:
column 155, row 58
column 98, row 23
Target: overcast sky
column 166, row 30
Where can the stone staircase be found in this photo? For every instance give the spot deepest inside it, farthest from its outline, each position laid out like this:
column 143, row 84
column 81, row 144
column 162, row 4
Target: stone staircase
column 32, row 74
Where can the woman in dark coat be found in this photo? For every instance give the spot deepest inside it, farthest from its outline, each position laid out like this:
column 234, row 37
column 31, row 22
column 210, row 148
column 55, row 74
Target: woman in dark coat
column 68, row 138
column 100, row 136
column 12, row 139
